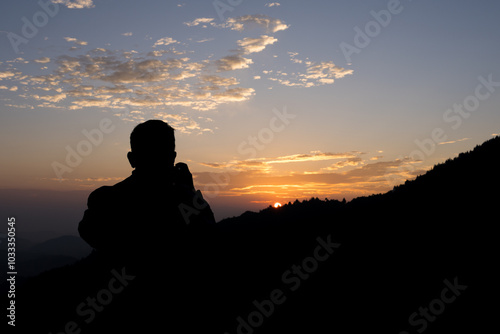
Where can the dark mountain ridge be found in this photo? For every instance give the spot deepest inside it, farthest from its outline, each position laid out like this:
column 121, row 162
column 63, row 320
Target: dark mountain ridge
column 68, row 245
column 418, row 258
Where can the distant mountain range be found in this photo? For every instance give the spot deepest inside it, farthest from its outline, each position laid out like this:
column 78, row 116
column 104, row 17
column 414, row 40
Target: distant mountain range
column 420, row 258
column 34, row 258
column 69, row 245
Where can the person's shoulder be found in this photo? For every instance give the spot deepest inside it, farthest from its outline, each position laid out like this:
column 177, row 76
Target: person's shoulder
column 107, row 192
column 125, row 183
column 100, row 194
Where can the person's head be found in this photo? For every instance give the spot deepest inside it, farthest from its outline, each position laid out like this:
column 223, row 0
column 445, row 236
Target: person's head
column 152, row 146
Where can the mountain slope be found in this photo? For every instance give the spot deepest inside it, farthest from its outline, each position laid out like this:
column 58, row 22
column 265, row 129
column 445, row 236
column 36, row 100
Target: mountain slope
column 67, row 245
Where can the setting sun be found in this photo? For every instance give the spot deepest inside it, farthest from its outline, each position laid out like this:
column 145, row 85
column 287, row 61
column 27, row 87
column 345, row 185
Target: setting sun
column 277, row 205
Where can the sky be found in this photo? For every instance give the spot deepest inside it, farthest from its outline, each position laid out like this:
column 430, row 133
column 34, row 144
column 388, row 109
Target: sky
column 271, row 101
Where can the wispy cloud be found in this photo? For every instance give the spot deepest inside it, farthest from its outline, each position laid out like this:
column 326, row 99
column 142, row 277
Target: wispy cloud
column 258, row 177
column 128, row 34
column 350, row 162
column 265, row 163
column 205, row 40
column 272, row 4
column 316, row 73
column 452, row 141
column 313, row 156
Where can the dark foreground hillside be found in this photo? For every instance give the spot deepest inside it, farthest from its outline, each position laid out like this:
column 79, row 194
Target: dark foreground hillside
column 421, row 258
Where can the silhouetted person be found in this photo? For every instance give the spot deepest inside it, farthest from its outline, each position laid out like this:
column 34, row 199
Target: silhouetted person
column 152, row 223
column 154, row 205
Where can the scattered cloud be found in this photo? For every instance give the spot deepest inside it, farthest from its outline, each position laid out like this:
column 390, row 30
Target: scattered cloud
column 325, row 70
column 233, row 62
column 75, row 4
column 18, row 60
column 130, row 84
column 165, row 41
column 350, row 162
column 136, row 85
column 322, row 73
column 198, row 21
column 270, row 24
column 160, row 53
column 51, row 98
column 6, row 74
column 218, row 81
column 293, row 59
column 74, row 40
column 250, row 45
column 273, row 4
column 234, row 94
column 42, row 60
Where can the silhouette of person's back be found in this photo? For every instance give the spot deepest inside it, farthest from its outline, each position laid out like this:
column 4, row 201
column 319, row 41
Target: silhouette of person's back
column 152, row 222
